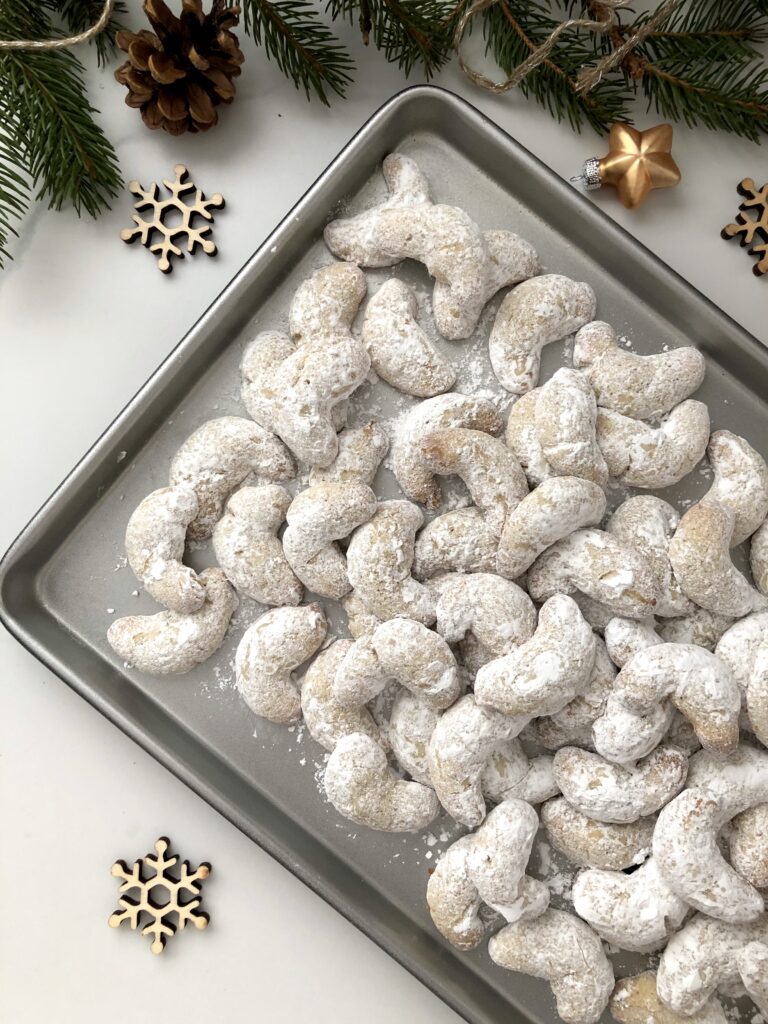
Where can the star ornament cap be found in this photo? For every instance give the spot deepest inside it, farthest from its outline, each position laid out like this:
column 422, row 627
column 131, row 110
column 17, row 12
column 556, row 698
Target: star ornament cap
column 636, row 163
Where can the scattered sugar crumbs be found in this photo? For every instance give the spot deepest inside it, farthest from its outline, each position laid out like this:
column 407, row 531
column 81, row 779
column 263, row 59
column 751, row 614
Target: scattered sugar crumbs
column 319, row 772
column 736, row 1014
column 223, row 679
column 558, row 879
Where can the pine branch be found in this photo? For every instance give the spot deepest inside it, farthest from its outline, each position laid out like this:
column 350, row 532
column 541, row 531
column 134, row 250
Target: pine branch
column 15, row 23
column 302, row 46
column 14, row 187
column 514, row 28
column 716, row 29
column 410, row 33
column 78, row 15
column 68, row 156
column 48, row 131
column 715, row 16
column 715, row 94
column 702, row 67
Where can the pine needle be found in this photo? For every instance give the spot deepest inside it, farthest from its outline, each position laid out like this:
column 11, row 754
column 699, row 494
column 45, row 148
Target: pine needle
column 703, row 91
column 716, row 29
column 410, row 33
column 78, row 15
column 14, row 187
column 67, row 155
column 514, row 28
column 302, row 46
column 703, row 67
column 49, row 135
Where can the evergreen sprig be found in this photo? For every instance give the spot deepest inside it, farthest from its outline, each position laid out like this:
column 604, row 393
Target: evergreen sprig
column 410, row 33
column 14, row 185
column 301, row 44
column 50, row 143
column 514, row 28
column 703, row 66
column 55, row 119
column 708, row 92
column 78, row 15
column 726, row 28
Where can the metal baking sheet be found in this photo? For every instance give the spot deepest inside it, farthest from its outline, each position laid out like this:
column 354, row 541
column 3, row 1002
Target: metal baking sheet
column 64, row 579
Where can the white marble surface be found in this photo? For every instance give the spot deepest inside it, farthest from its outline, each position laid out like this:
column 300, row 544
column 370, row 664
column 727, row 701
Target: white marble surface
column 84, row 320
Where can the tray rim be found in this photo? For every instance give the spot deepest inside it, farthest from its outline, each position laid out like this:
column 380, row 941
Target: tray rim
column 476, row 1011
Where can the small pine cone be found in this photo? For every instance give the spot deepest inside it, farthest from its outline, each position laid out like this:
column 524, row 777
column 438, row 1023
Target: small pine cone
column 178, row 74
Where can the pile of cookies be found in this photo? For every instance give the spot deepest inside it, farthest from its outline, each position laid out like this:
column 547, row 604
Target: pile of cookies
column 548, row 664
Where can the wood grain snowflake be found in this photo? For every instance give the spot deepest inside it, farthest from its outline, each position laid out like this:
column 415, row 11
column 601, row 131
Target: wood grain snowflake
column 172, row 218
column 159, row 896
column 751, row 225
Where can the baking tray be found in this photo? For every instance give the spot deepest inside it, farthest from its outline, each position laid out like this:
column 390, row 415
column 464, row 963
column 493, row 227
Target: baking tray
column 64, row 579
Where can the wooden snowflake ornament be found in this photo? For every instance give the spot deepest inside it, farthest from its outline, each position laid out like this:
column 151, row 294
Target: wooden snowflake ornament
column 751, row 224
column 163, row 219
column 159, row 896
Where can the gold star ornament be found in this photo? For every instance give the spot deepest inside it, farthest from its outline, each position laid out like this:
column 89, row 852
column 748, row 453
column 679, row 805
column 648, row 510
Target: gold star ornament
column 636, row 163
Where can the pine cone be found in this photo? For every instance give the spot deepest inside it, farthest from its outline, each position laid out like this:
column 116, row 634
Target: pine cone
column 178, row 74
